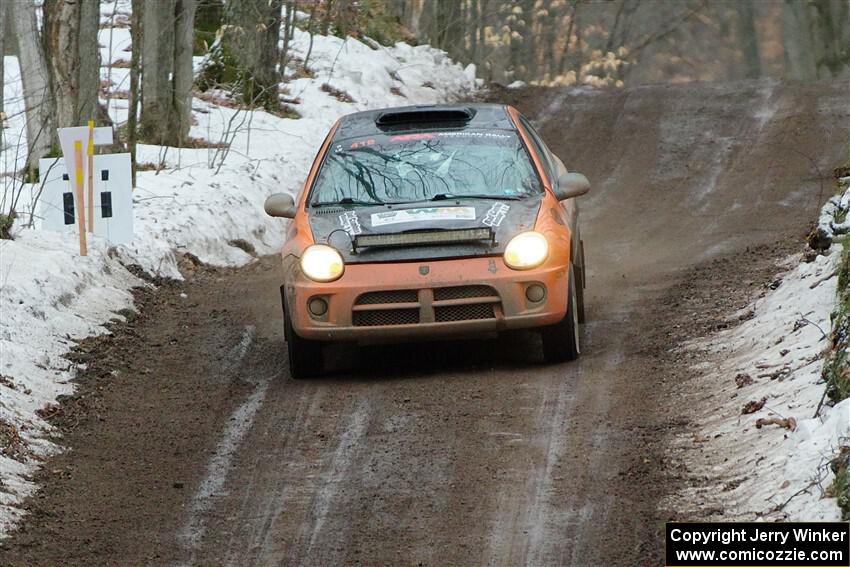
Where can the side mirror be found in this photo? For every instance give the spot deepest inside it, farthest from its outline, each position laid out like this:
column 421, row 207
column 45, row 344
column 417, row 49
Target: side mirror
column 280, row 205
column 571, row 185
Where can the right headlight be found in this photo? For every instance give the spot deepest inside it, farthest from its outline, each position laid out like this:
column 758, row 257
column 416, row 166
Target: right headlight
column 526, row 250
column 322, row 263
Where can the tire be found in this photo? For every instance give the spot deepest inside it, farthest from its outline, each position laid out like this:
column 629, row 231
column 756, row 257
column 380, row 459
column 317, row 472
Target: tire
column 306, row 357
column 561, row 341
column 581, row 283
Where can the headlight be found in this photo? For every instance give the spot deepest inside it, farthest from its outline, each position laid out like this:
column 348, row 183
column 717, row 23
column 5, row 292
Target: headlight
column 526, row 250
column 322, row 263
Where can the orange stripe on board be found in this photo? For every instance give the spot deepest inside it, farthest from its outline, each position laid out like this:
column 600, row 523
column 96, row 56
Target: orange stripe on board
column 81, row 214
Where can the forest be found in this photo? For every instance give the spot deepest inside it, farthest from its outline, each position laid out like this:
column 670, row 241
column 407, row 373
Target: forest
column 245, row 52
column 630, row 42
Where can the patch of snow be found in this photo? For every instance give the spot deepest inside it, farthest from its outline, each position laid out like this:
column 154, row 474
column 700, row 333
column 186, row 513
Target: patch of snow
column 838, row 205
column 768, row 107
column 51, row 297
column 767, row 472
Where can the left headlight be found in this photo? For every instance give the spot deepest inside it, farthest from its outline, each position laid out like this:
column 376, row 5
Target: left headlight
column 322, row 263
column 526, row 250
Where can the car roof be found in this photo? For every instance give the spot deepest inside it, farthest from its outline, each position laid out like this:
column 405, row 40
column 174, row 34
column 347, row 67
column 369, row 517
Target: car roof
column 479, row 116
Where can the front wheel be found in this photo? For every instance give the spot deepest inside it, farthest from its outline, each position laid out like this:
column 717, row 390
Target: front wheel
column 306, row 357
column 560, row 341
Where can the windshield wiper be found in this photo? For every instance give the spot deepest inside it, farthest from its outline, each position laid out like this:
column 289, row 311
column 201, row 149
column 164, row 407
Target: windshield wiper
column 346, row 201
column 447, row 196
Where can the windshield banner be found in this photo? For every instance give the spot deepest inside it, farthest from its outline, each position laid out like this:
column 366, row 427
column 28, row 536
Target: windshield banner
column 422, row 215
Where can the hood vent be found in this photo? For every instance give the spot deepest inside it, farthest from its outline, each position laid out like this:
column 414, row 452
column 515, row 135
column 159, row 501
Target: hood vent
column 425, row 116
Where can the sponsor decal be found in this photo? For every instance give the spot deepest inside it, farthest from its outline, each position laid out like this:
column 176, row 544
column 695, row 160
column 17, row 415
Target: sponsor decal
column 482, row 135
column 411, row 137
column 350, row 223
column 495, row 215
column 362, row 144
column 429, row 214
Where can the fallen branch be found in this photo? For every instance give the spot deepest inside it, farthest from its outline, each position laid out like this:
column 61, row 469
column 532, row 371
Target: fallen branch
column 788, row 423
column 829, row 276
column 810, row 322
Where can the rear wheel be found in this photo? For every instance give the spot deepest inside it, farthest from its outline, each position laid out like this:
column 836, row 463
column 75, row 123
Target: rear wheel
column 560, row 341
column 306, row 357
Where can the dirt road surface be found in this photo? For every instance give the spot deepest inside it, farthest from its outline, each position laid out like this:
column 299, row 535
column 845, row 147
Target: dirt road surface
column 189, row 444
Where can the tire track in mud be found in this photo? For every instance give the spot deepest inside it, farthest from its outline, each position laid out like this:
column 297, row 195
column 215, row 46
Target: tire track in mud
column 245, row 547
column 337, row 470
column 237, row 426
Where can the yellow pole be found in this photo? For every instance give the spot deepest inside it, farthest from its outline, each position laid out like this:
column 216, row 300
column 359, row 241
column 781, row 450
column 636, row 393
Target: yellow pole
column 81, row 214
column 91, row 178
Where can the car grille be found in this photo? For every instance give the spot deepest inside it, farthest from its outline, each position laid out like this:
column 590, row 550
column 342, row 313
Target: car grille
column 464, row 312
column 411, row 306
column 384, row 317
column 391, row 296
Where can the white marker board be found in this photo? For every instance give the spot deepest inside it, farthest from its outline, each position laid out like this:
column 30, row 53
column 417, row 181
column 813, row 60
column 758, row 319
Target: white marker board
column 113, row 197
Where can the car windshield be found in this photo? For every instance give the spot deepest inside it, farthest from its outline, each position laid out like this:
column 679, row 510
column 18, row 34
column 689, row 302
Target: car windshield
column 426, row 166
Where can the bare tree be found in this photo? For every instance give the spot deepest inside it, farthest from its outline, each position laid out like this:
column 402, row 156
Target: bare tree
column 796, row 36
column 167, row 70
column 73, row 59
column 88, row 107
column 183, row 73
column 253, row 30
column 289, row 11
column 748, row 38
column 831, row 34
column 38, row 98
column 3, row 10
column 133, row 98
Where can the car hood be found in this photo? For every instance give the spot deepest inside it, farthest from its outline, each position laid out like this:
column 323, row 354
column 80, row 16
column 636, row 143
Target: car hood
column 339, row 226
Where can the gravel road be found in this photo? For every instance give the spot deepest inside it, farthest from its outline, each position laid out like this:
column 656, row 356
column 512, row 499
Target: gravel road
column 189, row 444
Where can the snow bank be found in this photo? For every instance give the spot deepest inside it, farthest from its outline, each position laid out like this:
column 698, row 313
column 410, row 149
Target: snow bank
column 834, row 220
column 50, row 297
column 771, row 365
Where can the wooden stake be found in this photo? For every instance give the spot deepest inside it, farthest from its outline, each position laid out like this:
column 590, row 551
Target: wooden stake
column 81, row 213
column 91, row 178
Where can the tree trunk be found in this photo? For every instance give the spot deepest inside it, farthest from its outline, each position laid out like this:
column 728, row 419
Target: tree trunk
column 252, row 37
column 88, row 107
column 73, row 60
column 133, row 101
column 158, row 118
column 797, row 40
column 310, row 30
column 472, row 30
column 3, row 11
column 37, row 95
column 326, row 20
column 565, row 55
column 748, row 38
column 167, row 71
column 61, row 50
column 287, row 34
column 183, row 73
column 831, row 32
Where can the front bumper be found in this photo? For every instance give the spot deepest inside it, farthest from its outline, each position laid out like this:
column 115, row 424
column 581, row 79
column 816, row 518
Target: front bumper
column 427, row 299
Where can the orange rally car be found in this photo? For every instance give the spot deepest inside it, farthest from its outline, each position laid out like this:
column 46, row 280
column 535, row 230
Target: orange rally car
column 431, row 221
